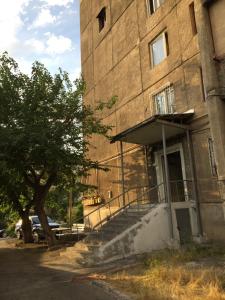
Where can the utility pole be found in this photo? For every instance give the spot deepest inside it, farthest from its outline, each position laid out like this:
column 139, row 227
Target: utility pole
column 70, row 206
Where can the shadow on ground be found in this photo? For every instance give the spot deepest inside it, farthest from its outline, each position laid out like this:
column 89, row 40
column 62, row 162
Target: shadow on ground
column 33, row 274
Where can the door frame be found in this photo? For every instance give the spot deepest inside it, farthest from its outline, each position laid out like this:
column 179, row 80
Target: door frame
column 159, row 168
column 176, row 205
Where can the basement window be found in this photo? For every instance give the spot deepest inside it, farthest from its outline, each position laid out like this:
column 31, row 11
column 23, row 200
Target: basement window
column 101, row 18
column 153, row 5
column 164, row 101
column 192, row 17
column 159, row 49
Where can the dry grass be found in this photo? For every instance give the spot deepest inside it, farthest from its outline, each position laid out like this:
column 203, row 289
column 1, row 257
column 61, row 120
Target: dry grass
column 174, row 275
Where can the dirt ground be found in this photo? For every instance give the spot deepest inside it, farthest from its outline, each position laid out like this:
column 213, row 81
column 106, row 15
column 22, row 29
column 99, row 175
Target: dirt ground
column 33, row 273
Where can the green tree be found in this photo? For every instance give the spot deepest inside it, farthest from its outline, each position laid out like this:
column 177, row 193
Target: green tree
column 15, row 197
column 45, row 130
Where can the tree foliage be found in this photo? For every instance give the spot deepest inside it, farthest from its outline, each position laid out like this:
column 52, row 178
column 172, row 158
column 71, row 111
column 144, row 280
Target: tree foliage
column 44, row 130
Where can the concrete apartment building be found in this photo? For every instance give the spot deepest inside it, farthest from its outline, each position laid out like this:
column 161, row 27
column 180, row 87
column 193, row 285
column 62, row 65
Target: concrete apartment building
column 165, row 61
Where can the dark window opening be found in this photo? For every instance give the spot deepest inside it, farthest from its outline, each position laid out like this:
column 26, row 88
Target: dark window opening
column 193, row 20
column 101, row 18
column 167, row 43
column 153, row 5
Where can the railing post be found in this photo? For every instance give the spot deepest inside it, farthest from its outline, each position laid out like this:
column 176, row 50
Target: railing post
column 110, row 210
column 193, row 177
column 168, row 190
column 89, row 222
column 99, row 214
column 122, row 171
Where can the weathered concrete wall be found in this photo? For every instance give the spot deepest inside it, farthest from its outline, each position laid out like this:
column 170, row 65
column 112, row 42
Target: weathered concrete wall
column 217, row 12
column 151, row 233
column 95, row 217
column 213, row 216
column 116, row 61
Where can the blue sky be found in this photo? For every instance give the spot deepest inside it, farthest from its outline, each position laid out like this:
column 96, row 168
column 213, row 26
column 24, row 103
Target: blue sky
column 44, row 30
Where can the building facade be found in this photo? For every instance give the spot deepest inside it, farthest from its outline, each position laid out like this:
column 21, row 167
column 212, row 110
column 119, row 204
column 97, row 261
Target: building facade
column 165, row 61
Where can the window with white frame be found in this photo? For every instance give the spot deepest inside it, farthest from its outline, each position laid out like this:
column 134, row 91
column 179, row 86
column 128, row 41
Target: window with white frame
column 159, row 49
column 164, row 101
column 153, row 5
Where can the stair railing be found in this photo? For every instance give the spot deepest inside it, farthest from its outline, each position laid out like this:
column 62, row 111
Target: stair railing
column 108, row 210
column 114, row 206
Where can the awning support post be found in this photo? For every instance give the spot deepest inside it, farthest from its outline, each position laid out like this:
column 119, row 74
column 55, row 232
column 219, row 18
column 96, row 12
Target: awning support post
column 193, row 176
column 122, row 171
column 167, row 190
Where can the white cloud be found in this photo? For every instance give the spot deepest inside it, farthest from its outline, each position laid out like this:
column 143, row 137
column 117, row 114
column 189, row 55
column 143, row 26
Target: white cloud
column 10, row 22
column 52, row 45
column 57, row 2
column 58, row 44
column 35, row 45
column 44, row 18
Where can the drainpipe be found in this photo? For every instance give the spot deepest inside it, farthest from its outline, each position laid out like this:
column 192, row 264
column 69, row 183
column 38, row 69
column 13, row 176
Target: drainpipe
column 122, row 171
column 168, row 190
column 215, row 105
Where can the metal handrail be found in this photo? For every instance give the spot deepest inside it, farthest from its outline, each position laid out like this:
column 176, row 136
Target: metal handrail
column 128, row 203
column 105, row 204
column 111, row 200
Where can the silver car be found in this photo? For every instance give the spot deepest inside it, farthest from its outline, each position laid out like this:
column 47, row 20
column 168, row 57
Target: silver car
column 37, row 230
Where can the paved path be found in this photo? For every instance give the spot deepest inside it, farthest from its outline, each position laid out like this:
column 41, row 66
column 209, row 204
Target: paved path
column 31, row 274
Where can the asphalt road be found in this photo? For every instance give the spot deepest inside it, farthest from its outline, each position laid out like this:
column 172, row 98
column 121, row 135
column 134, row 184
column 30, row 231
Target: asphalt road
column 33, row 274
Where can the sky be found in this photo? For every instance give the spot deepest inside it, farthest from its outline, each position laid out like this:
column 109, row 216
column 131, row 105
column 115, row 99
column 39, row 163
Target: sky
column 43, row 30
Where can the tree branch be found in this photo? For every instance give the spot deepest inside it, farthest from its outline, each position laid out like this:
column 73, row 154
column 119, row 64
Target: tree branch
column 28, row 181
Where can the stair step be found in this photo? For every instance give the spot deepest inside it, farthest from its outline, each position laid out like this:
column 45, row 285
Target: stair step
column 134, row 213
column 85, row 252
column 136, row 209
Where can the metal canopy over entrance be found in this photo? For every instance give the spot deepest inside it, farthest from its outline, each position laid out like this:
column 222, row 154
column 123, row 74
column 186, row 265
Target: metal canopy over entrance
column 160, row 128
column 150, row 131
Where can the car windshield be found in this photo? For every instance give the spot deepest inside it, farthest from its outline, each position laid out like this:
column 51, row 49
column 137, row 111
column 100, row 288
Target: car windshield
column 36, row 220
column 50, row 220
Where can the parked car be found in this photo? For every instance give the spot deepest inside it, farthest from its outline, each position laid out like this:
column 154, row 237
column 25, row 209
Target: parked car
column 37, row 230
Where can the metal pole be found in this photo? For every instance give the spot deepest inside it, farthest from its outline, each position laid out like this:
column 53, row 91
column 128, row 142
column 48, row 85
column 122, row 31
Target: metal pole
column 122, row 171
column 70, row 206
column 168, row 191
column 147, row 173
column 194, row 185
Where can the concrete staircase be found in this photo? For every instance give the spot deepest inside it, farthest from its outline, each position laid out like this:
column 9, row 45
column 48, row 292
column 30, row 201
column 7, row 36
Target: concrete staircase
column 104, row 245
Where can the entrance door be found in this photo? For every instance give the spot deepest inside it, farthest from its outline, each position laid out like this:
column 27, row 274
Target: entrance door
column 182, row 215
column 184, row 225
column 175, row 175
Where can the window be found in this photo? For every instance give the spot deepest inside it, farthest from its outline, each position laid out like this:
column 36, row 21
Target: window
column 212, row 157
column 192, row 17
column 153, row 5
column 164, row 101
column 159, row 49
column 101, row 18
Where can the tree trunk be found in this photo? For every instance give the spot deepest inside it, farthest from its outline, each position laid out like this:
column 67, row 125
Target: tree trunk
column 49, row 234
column 26, row 228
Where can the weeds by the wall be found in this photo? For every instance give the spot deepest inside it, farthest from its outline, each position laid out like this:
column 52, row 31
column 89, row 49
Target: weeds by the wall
column 194, row 273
